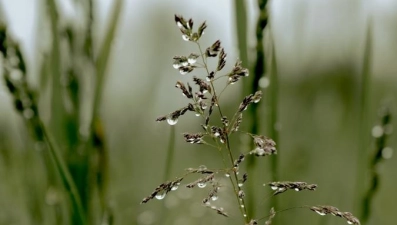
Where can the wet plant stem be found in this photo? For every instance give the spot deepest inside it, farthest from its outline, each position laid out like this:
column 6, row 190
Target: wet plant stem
column 363, row 139
column 65, row 175
column 236, row 187
column 259, row 71
column 170, row 154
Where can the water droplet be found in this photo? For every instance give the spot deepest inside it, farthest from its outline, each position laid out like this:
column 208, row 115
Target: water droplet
column 242, row 206
column 197, row 114
column 264, row 82
column 175, row 187
column 185, row 63
column 160, row 195
column 214, row 198
column 240, row 184
column 183, row 72
column 192, row 60
column 245, row 215
column 377, row 131
column 227, row 174
column 257, row 100
column 179, row 24
column 202, row 167
column 320, row 213
column 185, row 37
column 28, row 113
column 387, row 153
column 349, row 222
column 172, row 121
column 297, row 189
column 201, row 184
column 274, row 187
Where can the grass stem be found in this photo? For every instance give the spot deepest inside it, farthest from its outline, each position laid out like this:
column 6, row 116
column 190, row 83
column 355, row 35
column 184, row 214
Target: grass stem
column 363, row 139
column 65, row 175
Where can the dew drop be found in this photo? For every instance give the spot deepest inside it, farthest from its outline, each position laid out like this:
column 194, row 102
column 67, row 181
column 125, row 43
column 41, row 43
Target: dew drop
column 274, row 187
column 242, row 206
column 198, row 114
column 171, row 121
column 245, row 215
column 227, row 174
column 160, row 195
column 201, row 184
column 202, row 167
column 240, row 184
column 185, row 63
column 183, row 72
column 214, row 198
column 320, row 213
column 349, row 222
column 179, row 24
column 28, row 113
column 176, row 65
column 175, row 187
column 257, row 100
column 297, row 189
column 192, row 60
column 387, row 153
column 264, row 82
column 377, row 131
column 185, row 37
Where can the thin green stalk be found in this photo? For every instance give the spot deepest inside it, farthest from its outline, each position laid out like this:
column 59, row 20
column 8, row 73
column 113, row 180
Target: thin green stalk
column 65, row 175
column 259, row 72
column 101, row 65
column 236, row 187
column 170, row 154
column 273, row 113
column 168, row 166
column 380, row 143
column 241, row 28
column 364, row 137
column 57, row 112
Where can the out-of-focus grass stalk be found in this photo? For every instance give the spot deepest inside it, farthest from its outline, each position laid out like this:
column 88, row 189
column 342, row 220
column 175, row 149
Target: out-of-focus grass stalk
column 364, row 137
column 380, row 145
column 241, row 28
column 273, row 99
column 65, row 175
column 57, row 112
column 168, row 167
column 259, row 72
column 101, row 64
column 170, row 154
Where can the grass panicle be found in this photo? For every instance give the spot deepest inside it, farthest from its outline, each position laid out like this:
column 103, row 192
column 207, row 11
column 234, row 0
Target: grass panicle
column 205, row 102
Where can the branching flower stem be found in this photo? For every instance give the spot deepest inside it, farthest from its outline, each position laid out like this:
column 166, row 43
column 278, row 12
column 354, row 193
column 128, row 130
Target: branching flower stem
column 236, row 188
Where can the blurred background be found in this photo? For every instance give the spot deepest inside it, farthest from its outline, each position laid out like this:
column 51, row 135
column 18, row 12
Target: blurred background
column 321, row 52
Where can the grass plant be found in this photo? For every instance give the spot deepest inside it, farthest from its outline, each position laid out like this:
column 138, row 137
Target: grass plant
column 205, row 102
